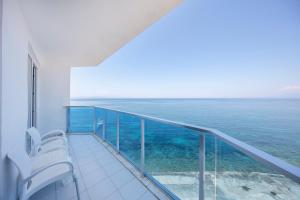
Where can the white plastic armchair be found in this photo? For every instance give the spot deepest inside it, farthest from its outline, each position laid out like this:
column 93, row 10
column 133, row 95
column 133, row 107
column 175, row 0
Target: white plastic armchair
column 43, row 146
column 53, row 133
column 31, row 181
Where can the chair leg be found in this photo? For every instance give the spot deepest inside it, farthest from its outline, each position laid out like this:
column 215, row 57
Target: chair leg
column 76, row 185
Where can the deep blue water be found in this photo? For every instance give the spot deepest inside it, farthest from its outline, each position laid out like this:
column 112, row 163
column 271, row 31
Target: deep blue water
column 272, row 125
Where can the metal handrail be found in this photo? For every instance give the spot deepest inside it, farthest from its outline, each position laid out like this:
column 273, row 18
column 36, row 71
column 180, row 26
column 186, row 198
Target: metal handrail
column 273, row 162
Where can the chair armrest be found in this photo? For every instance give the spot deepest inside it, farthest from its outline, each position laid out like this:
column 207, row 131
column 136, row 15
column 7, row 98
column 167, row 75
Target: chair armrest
column 47, row 140
column 41, row 152
column 66, row 161
column 53, row 133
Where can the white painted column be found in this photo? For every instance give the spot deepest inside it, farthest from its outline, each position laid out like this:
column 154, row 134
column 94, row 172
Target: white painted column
column 1, row 162
column 54, row 94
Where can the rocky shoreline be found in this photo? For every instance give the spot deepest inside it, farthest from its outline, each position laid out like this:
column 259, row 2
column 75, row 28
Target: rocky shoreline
column 231, row 186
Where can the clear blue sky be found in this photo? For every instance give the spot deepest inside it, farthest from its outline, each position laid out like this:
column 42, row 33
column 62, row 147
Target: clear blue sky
column 205, row 48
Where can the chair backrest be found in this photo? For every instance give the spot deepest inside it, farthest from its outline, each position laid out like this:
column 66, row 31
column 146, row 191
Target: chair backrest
column 35, row 139
column 21, row 160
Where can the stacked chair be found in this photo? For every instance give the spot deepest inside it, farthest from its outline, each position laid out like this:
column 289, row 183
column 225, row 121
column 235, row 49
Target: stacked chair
column 47, row 162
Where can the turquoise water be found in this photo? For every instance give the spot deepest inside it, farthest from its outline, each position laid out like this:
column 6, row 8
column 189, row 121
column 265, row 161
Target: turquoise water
column 172, row 153
column 272, row 125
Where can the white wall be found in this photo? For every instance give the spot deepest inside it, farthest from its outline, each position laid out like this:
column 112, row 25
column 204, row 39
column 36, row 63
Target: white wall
column 14, row 88
column 1, row 174
column 54, row 90
column 14, row 98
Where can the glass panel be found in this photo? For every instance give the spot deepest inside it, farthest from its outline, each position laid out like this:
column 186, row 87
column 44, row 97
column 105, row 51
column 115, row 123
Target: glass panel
column 111, row 127
column 99, row 116
column 239, row 176
column 172, row 158
column 130, row 137
column 81, row 120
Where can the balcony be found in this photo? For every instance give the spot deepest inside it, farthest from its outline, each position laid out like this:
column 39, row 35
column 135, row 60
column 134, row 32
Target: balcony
column 175, row 160
column 102, row 174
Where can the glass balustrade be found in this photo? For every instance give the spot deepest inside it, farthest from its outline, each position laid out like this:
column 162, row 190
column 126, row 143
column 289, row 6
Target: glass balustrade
column 100, row 122
column 80, row 119
column 130, row 138
column 190, row 162
column 110, row 121
column 239, row 176
column 172, row 157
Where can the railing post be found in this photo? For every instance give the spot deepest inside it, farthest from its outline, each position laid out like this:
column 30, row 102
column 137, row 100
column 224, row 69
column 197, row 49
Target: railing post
column 95, row 121
column 216, row 168
column 103, row 126
column 68, row 119
column 118, row 132
column 142, row 146
column 103, row 129
column 201, row 166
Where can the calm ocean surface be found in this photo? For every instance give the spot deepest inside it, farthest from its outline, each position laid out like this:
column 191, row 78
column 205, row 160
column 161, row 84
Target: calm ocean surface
column 272, row 125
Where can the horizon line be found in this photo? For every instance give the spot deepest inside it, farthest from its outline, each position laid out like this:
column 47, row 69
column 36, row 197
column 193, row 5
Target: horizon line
column 96, row 98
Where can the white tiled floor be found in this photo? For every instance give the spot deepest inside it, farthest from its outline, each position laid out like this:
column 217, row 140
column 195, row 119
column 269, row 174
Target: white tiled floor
column 102, row 174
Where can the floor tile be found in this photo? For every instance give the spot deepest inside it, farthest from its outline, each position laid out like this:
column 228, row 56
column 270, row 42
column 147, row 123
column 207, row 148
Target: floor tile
column 89, row 167
column 94, row 177
column 105, row 159
column 132, row 190
column 113, row 168
column 101, row 190
column 121, row 177
column 84, row 160
column 148, row 196
column 115, row 196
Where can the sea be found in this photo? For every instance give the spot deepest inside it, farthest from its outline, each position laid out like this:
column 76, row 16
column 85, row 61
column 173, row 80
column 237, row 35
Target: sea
column 172, row 153
column 271, row 125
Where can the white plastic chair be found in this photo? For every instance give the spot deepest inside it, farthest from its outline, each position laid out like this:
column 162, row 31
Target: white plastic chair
column 53, row 133
column 42, row 158
column 43, row 153
column 51, row 143
column 31, row 181
column 50, row 136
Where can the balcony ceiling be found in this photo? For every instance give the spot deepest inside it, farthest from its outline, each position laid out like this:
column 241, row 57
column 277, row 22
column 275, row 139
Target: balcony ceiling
column 85, row 32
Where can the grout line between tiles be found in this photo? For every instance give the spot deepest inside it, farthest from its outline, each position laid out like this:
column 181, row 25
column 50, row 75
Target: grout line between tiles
column 114, row 153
